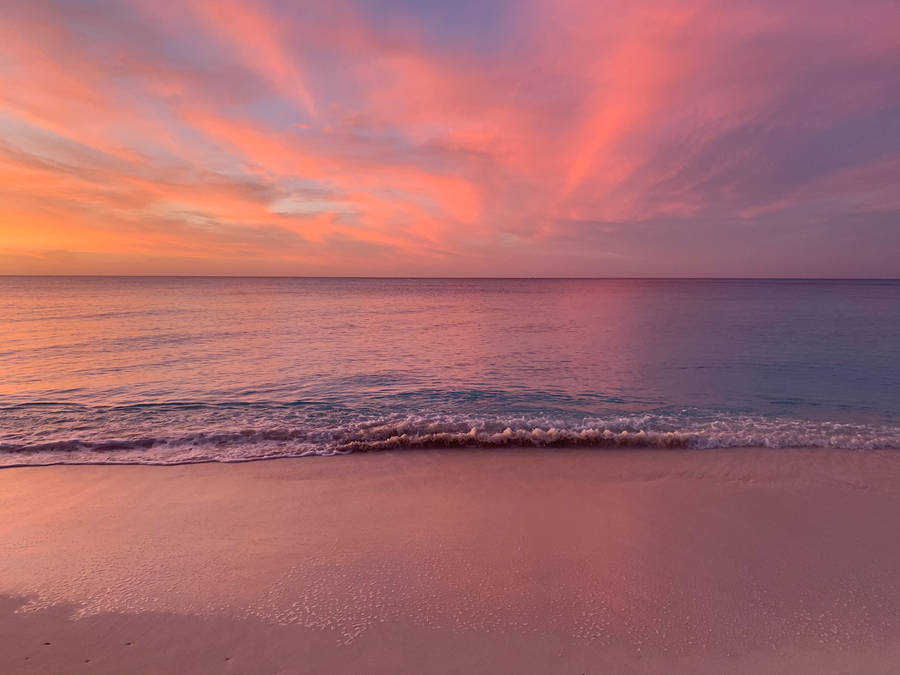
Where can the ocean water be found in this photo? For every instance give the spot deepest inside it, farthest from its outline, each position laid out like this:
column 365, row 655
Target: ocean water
column 171, row 370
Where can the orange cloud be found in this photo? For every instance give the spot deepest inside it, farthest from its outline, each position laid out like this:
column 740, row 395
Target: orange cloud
column 342, row 140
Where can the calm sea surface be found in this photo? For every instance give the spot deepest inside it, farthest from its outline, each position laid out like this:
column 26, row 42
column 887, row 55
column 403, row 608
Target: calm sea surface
column 164, row 370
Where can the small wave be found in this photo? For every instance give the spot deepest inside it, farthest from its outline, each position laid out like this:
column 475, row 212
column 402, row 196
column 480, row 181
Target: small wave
column 316, row 437
column 222, row 439
column 603, row 438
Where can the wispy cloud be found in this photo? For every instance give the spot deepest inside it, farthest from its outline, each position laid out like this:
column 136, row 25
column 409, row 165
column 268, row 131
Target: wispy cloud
column 544, row 136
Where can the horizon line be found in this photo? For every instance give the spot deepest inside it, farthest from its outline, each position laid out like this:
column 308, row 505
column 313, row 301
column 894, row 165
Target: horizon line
column 477, row 278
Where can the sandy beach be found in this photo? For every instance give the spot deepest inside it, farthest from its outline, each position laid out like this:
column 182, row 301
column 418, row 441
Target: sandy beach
column 504, row 561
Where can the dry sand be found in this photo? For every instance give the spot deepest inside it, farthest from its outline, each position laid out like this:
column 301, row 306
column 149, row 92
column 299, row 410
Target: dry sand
column 518, row 561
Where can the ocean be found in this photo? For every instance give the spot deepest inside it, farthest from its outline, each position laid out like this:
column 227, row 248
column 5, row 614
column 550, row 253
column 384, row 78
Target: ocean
column 175, row 370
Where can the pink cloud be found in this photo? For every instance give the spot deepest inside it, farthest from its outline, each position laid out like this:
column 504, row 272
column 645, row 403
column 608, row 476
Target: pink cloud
column 313, row 135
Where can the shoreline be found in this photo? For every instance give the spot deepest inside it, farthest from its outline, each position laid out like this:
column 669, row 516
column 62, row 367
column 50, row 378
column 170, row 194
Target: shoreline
column 500, row 448
column 512, row 560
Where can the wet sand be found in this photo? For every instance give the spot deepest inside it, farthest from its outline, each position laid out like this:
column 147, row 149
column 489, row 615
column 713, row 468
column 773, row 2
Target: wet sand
column 519, row 561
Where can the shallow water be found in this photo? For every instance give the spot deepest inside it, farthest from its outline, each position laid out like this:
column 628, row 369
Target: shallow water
column 165, row 370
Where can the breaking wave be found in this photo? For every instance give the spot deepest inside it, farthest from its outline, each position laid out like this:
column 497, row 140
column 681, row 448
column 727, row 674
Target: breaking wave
column 276, row 441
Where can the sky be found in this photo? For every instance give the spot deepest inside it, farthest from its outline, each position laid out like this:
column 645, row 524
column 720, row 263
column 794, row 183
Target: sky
column 465, row 138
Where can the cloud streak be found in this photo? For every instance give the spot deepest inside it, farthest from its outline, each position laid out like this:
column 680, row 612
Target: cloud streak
column 664, row 137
